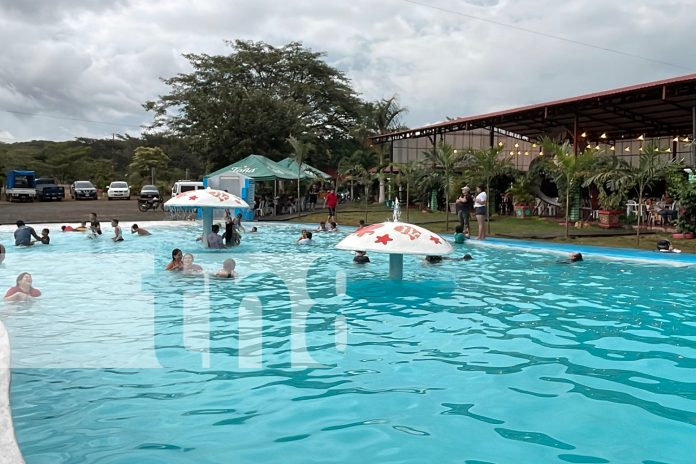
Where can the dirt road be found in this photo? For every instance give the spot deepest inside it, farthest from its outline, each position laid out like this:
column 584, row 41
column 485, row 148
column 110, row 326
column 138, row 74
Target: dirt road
column 72, row 211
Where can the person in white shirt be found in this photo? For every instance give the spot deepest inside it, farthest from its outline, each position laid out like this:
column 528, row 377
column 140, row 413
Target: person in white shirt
column 480, row 210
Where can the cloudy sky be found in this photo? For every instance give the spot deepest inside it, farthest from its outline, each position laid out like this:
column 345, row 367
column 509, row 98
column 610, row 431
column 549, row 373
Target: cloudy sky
column 83, row 68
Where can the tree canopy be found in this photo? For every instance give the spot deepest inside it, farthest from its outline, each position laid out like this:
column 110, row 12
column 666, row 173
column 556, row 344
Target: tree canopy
column 253, row 99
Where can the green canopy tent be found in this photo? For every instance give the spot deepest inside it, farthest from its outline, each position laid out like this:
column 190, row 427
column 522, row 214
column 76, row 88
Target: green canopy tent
column 307, row 171
column 260, row 169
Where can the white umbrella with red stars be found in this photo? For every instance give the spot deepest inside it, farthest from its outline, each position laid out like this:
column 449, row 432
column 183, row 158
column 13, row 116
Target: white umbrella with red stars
column 207, row 200
column 396, row 239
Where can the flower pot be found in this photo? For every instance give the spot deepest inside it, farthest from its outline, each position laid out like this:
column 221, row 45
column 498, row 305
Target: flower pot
column 608, row 219
column 677, row 235
column 688, row 235
column 522, row 211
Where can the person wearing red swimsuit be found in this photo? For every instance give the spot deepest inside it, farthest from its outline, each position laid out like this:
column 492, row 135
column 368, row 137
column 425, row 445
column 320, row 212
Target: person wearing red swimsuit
column 23, row 291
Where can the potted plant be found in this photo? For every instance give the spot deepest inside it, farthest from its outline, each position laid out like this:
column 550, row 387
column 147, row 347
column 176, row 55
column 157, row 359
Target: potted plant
column 685, row 229
column 610, row 208
column 522, row 198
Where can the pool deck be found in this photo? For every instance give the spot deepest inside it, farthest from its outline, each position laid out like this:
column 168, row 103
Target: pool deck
column 9, row 451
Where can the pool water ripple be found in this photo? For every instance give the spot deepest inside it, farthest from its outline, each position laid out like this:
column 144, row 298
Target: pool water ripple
column 509, row 356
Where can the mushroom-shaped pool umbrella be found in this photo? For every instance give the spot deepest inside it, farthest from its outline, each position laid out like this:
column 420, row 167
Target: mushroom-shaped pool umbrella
column 397, row 239
column 207, row 200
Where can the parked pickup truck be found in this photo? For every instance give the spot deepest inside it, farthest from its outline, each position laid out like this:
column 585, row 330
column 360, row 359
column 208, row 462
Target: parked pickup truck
column 47, row 189
column 21, row 185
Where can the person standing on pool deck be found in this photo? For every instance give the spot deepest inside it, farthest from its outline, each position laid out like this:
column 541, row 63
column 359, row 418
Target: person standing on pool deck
column 24, row 233
column 330, row 202
column 480, row 209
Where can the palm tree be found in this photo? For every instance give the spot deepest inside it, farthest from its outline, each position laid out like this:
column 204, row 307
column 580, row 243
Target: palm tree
column 380, row 117
column 446, row 158
column 567, row 169
column 622, row 176
column 485, row 164
column 408, row 173
column 357, row 166
column 301, row 150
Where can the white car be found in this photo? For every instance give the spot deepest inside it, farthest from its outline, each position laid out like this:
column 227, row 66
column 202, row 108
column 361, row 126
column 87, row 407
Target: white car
column 118, row 189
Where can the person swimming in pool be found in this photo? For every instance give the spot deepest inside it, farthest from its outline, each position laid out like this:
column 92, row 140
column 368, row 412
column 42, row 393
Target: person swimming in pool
column 23, row 290
column 176, row 264
column 227, row 271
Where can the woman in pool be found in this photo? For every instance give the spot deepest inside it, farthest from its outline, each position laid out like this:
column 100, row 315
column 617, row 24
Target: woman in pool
column 176, row 264
column 188, row 266
column 23, row 291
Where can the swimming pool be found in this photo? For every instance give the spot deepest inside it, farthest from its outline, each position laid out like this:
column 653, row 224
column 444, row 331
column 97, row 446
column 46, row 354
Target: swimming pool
column 511, row 357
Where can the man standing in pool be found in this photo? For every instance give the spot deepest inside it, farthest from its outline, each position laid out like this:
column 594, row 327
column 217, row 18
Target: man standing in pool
column 24, row 233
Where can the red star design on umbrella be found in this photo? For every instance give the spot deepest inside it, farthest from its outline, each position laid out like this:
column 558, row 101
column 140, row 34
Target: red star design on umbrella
column 435, row 239
column 369, row 230
column 383, row 239
column 193, row 197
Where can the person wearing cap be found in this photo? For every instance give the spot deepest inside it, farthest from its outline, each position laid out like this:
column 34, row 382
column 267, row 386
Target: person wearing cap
column 463, row 207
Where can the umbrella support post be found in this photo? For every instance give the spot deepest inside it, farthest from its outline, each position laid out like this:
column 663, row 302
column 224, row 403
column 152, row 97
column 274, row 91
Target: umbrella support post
column 396, row 266
column 207, row 225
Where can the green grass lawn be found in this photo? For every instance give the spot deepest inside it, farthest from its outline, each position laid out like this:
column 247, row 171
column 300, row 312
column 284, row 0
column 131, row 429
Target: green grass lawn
column 546, row 228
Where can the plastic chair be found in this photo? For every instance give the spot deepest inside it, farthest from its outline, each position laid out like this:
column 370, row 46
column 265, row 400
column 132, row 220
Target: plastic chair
column 261, row 209
column 631, row 207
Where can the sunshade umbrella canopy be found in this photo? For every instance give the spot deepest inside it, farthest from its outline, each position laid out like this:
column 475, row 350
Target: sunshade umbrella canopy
column 396, row 239
column 207, row 200
column 259, row 168
column 307, row 171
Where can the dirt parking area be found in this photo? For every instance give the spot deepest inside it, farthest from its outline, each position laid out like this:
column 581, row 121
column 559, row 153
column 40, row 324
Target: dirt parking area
column 72, row 212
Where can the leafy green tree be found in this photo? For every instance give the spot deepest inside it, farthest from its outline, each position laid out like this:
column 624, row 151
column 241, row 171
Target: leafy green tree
column 147, row 160
column 253, row 99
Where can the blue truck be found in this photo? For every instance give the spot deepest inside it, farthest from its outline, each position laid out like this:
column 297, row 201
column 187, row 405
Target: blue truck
column 21, row 185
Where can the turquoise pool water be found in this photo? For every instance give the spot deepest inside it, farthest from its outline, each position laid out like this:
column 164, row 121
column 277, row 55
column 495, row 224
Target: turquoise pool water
column 511, row 357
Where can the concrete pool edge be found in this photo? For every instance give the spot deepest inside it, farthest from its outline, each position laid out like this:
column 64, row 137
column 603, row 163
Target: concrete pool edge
column 9, row 450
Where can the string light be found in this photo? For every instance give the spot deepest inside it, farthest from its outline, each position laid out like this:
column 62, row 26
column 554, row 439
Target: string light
column 675, row 139
column 685, row 139
column 517, row 145
column 612, row 148
column 583, row 135
column 501, row 144
column 627, row 149
column 526, row 153
column 641, row 137
column 603, row 136
column 534, row 145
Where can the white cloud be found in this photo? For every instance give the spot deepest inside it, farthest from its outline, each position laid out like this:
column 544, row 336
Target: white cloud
column 99, row 61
